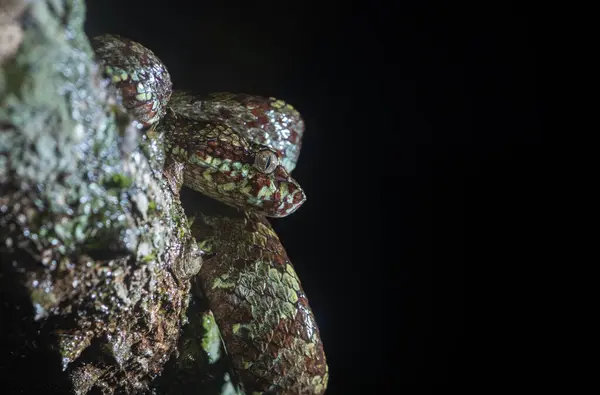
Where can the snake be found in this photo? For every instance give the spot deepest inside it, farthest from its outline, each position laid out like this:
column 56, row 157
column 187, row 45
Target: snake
column 239, row 151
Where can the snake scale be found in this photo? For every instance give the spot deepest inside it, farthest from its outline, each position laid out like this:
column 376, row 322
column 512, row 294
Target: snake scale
column 238, row 149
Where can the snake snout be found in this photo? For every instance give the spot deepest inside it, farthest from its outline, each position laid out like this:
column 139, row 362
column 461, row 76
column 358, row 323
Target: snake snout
column 288, row 196
column 289, row 203
column 276, row 195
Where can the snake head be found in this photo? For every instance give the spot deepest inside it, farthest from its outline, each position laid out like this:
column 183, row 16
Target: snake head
column 271, row 190
column 222, row 164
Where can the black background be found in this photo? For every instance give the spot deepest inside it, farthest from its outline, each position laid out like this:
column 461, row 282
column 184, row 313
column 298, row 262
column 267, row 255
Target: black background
column 420, row 162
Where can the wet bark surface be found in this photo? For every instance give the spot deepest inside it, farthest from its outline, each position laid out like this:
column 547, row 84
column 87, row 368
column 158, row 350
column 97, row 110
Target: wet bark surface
column 96, row 252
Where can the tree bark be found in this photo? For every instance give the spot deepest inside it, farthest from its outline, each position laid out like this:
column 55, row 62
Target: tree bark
column 96, row 252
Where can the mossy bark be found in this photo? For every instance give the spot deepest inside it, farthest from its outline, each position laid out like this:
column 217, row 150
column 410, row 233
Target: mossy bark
column 96, row 252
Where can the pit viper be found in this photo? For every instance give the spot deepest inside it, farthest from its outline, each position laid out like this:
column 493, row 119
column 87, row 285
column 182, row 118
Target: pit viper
column 238, row 149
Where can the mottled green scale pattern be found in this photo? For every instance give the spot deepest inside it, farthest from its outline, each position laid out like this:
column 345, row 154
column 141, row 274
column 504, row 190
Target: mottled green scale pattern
column 262, row 311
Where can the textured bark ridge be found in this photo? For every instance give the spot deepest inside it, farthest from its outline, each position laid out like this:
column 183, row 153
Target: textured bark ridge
column 96, row 253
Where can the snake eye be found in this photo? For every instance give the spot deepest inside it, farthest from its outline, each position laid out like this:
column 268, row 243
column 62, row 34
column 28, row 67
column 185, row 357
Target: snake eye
column 266, row 161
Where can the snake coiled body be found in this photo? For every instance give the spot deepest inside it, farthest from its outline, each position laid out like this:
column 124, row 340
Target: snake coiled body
column 238, row 149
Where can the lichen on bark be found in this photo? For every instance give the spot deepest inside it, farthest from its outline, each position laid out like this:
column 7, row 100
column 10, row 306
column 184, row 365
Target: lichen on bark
column 96, row 252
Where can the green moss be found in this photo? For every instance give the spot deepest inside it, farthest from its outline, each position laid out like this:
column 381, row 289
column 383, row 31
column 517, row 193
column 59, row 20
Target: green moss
column 120, row 181
column 149, row 258
column 14, row 77
column 211, row 341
